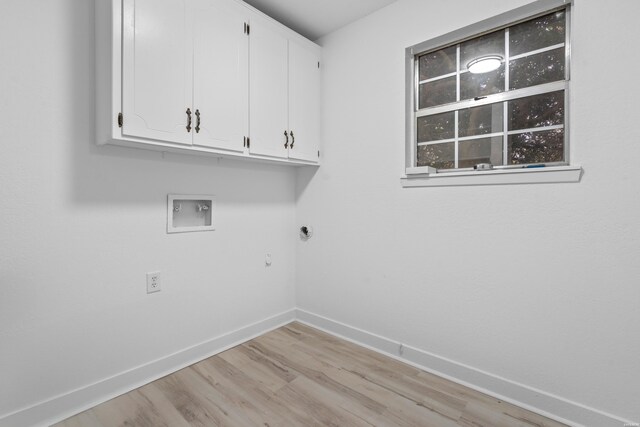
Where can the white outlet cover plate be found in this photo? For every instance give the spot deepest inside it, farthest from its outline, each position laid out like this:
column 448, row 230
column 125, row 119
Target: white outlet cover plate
column 153, row 282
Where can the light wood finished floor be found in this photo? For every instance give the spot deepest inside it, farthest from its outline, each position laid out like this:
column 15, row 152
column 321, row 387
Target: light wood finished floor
column 299, row 376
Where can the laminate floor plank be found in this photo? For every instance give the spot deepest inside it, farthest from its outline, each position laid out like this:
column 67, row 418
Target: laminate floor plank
column 300, row 376
column 200, row 403
column 247, row 394
column 256, row 369
column 84, row 419
column 306, row 397
column 162, row 406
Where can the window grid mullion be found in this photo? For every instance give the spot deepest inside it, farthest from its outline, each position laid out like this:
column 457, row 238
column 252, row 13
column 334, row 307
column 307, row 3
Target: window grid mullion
column 458, row 73
column 536, row 129
column 456, row 125
column 436, row 142
column 505, row 134
column 435, row 79
column 456, row 144
column 416, row 107
column 537, row 51
column 505, row 104
column 481, row 136
column 465, row 138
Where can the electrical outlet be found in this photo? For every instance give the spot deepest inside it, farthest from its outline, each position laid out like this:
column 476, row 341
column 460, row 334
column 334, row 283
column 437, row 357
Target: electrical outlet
column 153, row 282
column 267, row 260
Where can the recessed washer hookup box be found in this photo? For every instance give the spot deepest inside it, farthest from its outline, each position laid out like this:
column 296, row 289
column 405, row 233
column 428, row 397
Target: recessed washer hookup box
column 187, row 213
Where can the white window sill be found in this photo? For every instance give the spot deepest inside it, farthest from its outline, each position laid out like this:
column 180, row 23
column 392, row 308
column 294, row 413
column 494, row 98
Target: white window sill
column 547, row 175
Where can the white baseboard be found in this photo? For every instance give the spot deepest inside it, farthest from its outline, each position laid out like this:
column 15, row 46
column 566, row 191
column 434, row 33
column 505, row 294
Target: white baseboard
column 538, row 401
column 63, row 406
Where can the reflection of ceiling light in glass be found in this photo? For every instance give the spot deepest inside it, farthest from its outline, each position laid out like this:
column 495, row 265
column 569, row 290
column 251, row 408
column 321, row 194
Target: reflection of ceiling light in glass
column 484, row 64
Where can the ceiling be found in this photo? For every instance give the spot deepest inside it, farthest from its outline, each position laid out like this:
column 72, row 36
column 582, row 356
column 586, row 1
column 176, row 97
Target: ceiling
column 316, row 18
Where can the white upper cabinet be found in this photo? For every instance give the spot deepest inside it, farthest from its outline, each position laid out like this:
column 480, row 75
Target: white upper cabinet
column 210, row 77
column 304, row 102
column 285, row 113
column 221, row 75
column 268, row 88
column 157, row 74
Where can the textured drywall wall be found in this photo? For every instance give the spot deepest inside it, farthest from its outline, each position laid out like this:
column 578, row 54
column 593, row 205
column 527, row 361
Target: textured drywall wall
column 534, row 283
column 80, row 226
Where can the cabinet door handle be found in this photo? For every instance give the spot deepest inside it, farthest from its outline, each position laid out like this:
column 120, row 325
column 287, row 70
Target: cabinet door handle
column 286, row 135
column 188, row 119
column 197, row 121
column 293, row 140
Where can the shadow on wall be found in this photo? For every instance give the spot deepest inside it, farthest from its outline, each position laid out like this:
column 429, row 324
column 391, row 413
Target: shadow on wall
column 303, row 179
column 118, row 175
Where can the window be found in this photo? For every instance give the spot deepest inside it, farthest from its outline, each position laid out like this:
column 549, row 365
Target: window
column 493, row 95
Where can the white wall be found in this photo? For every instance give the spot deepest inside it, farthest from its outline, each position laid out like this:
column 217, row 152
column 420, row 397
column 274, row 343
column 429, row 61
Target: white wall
column 534, row 283
column 80, row 226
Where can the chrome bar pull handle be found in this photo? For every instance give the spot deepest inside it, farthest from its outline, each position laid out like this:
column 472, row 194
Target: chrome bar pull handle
column 293, row 140
column 286, row 135
column 188, row 119
column 197, row 121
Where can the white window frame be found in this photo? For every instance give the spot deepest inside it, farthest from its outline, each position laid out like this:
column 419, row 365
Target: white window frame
column 427, row 176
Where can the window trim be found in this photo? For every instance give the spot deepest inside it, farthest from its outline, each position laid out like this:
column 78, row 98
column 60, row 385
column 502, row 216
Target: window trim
column 486, row 26
column 421, row 176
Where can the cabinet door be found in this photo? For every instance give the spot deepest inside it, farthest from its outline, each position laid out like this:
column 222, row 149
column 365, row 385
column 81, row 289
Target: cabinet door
column 267, row 89
column 221, row 75
column 157, row 69
column 304, row 102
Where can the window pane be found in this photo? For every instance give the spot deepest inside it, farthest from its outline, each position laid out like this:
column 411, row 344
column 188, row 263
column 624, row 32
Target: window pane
column 472, row 85
column 541, row 32
column 438, row 63
column 491, row 44
column 537, row 69
column 536, row 111
column 485, row 150
column 438, row 126
column 440, row 92
column 439, row 156
column 536, row 147
column 480, row 120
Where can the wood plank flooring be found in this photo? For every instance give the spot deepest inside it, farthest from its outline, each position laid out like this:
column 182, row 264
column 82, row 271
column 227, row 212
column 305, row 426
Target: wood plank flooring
column 299, row 376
